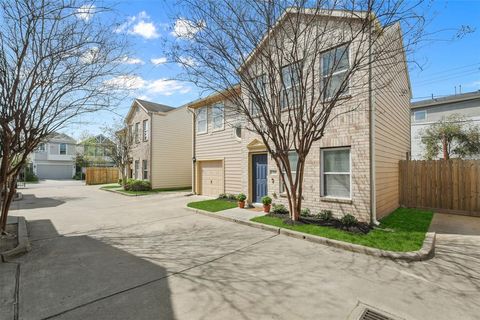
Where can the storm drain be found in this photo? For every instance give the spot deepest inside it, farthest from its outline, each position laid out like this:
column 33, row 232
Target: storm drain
column 370, row 314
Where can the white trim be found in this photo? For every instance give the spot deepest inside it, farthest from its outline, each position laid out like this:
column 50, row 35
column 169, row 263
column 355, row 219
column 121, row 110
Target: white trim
column 322, row 76
column 322, row 173
column 222, row 106
column 415, row 112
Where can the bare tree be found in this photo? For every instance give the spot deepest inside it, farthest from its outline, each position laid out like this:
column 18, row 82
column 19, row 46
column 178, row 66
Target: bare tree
column 299, row 64
column 57, row 60
column 121, row 147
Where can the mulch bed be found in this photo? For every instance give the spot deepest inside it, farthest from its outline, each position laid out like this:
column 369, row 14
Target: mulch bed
column 361, row 227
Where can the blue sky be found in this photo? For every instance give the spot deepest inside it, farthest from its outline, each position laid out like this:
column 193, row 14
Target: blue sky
column 444, row 64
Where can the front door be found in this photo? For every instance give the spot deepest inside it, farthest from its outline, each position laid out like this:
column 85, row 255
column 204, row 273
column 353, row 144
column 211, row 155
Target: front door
column 259, row 174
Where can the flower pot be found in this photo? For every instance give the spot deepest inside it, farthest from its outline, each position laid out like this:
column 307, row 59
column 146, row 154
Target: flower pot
column 241, row 204
column 266, row 208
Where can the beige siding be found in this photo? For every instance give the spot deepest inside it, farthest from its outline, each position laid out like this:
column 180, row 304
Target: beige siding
column 171, row 149
column 392, row 126
column 139, row 151
column 222, row 145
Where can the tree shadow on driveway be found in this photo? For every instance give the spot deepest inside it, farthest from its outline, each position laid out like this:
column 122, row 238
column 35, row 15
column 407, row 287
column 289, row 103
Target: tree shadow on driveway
column 79, row 277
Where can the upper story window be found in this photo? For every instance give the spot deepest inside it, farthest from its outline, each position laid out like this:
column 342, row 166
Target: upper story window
column 420, row 115
column 238, row 132
column 135, row 134
column 335, row 66
column 63, row 148
column 41, row 147
column 130, row 133
column 217, row 116
column 145, row 130
column 292, row 159
column 202, row 120
column 336, row 173
column 259, row 95
column 291, row 85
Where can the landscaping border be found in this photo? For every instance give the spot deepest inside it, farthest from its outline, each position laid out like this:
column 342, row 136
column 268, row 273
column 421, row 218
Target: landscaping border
column 23, row 245
column 426, row 252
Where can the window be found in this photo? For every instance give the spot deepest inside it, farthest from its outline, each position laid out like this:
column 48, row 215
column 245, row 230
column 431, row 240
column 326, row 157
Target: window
column 41, row 147
column 202, row 120
column 292, row 159
column 291, row 85
column 145, row 170
column 130, row 133
column 145, row 130
column 420, row 115
column 335, row 65
column 217, row 116
column 336, row 173
column 63, row 148
column 136, row 132
column 136, row 169
column 260, row 83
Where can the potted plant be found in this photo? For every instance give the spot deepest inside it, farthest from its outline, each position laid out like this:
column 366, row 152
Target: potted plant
column 241, row 200
column 267, row 202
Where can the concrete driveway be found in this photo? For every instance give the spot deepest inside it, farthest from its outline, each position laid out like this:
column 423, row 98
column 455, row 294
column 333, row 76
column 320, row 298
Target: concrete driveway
column 100, row 255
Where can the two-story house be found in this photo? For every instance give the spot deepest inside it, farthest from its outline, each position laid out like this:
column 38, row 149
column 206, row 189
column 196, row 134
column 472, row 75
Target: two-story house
column 55, row 158
column 161, row 145
column 96, row 151
column 426, row 112
column 352, row 169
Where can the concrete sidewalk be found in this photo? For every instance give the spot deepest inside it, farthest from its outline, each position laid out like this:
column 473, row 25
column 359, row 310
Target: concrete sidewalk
column 241, row 214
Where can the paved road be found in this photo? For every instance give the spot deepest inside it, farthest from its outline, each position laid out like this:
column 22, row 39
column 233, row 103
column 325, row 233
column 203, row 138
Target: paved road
column 99, row 255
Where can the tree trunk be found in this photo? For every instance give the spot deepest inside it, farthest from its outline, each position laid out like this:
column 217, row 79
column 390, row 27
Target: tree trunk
column 446, row 156
column 10, row 191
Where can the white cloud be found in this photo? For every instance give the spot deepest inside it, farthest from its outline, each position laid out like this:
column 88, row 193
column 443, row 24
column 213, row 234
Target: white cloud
column 164, row 87
column 131, row 60
column 139, row 25
column 187, row 61
column 184, row 28
column 158, row 61
column 86, row 12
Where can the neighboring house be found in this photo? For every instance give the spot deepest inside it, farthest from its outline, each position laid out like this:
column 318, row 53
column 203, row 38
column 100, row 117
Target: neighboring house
column 161, row 144
column 55, row 158
column 340, row 174
column 96, row 151
column 427, row 112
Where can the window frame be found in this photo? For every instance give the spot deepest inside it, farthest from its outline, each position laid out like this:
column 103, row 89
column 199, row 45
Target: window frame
column 336, row 73
column 136, row 167
column 137, row 127
column 415, row 115
column 282, row 183
column 60, row 149
column 41, row 147
column 323, row 173
column 218, row 106
column 145, row 130
column 202, row 109
column 144, row 169
column 263, row 93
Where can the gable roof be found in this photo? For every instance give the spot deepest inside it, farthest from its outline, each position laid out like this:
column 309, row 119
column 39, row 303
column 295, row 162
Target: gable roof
column 444, row 100
column 60, row 137
column 149, row 107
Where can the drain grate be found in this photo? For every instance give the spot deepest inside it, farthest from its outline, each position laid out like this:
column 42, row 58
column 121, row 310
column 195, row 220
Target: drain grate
column 370, row 314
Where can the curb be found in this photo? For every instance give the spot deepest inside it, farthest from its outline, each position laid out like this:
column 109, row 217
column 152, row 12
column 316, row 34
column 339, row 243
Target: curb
column 23, row 245
column 426, row 252
column 123, row 194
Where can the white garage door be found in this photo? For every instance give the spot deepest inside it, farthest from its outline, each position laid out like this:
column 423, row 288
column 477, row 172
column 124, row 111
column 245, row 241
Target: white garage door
column 211, row 178
column 54, row 171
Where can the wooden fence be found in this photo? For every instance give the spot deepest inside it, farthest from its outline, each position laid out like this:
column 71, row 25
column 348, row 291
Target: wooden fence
column 448, row 186
column 99, row 175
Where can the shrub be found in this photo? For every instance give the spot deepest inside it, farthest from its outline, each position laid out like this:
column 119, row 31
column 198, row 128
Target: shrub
column 305, row 212
column 266, row 200
column 241, row 197
column 120, row 181
column 348, row 220
column 31, row 177
column 137, row 185
column 222, row 196
column 231, row 196
column 279, row 209
column 325, row 215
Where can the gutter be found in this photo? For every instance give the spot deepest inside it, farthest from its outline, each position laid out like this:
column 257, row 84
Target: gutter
column 194, row 158
column 371, row 102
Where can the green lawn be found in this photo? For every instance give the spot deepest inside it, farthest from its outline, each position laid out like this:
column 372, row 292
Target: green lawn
column 118, row 188
column 404, row 230
column 214, row 205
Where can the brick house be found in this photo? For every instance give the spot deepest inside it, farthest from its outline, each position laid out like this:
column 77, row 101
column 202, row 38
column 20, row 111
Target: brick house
column 352, row 169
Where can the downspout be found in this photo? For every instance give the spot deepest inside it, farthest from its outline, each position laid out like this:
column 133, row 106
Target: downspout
column 194, row 158
column 371, row 102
